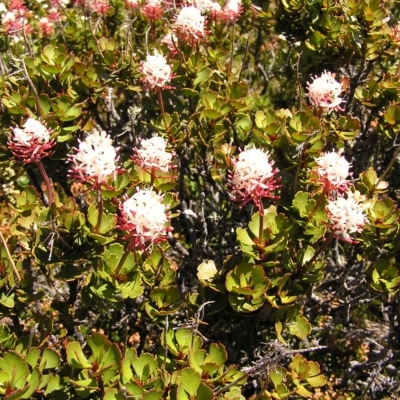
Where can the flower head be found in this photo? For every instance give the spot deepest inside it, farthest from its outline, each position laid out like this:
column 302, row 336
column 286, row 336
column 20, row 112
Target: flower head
column 190, row 25
column 333, row 170
column 156, row 72
column 132, row 4
column 13, row 23
column 347, row 214
column 204, row 5
column 46, row 26
column 324, row 92
column 95, row 158
column 153, row 9
column 32, row 143
column 232, row 10
column 100, row 7
column 253, row 177
column 152, row 155
column 145, row 218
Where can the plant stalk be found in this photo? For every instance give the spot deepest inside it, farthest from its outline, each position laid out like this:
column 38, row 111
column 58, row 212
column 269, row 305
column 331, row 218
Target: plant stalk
column 322, row 247
column 100, row 204
column 50, row 192
column 124, row 257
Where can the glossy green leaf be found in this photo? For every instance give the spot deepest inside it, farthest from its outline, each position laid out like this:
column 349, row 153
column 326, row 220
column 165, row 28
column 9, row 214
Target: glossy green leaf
column 75, row 356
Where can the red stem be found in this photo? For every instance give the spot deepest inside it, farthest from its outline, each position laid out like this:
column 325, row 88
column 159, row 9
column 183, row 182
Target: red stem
column 50, row 192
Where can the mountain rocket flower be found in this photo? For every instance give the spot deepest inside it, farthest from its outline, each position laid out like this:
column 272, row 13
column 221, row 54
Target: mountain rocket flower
column 132, row 4
column 232, row 10
column 253, row 177
column 332, row 170
column 152, row 155
column 190, row 25
column 205, row 5
column 145, row 218
column 95, row 158
column 324, row 92
column 46, row 26
column 156, row 72
column 32, row 143
column 153, row 9
column 346, row 215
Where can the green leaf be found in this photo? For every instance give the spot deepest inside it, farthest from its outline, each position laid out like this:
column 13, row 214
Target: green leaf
column 302, row 391
column 113, row 394
column 48, row 54
column 133, row 288
column 277, row 376
column 300, row 203
column 211, row 114
column 33, row 383
column 15, row 370
column 50, row 359
column 54, row 385
column 45, row 103
column 279, row 328
column 315, row 378
column 190, row 381
column 237, row 90
column 112, row 257
column 75, row 356
column 190, row 92
column 305, row 255
column 71, row 114
column 205, row 393
column 32, row 357
column 106, row 354
column 153, row 395
column 202, row 76
column 7, row 301
column 301, row 328
column 144, row 366
column 217, row 354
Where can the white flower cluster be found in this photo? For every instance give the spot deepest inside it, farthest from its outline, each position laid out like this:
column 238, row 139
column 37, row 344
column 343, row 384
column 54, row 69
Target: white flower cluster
column 333, row 168
column 190, row 24
column 324, row 92
column 347, row 214
column 252, row 168
column 146, row 212
column 206, row 5
column 95, row 158
column 33, row 130
column 152, row 155
column 133, row 4
column 156, row 71
column 232, row 9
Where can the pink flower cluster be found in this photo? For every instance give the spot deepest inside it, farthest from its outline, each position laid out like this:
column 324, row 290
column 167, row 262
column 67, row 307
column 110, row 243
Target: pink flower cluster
column 32, row 143
column 15, row 19
column 253, row 178
column 95, row 159
column 156, row 71
column 145, row 219
column 345, row 208
column 332, row 171
column 347, row 214
column 324, row 92
column 152, row 156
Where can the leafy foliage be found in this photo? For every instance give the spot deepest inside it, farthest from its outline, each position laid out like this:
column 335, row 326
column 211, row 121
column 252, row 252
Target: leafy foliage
column 225, row 294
